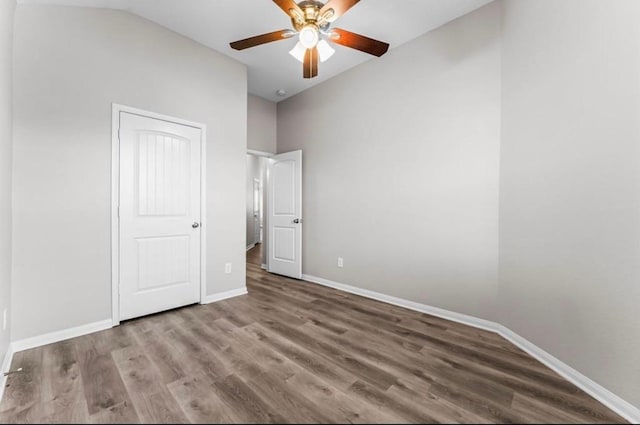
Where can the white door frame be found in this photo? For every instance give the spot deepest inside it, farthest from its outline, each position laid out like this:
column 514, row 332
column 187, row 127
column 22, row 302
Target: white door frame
column 116, row 109
column 260, row 153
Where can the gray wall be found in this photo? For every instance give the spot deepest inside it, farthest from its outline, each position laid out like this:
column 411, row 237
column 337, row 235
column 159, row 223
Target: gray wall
column 401, row 161
column 261, row 124
column 71, row 64
column 401, row 169
column 570, row 184
column 262, row 127
column 7, row 8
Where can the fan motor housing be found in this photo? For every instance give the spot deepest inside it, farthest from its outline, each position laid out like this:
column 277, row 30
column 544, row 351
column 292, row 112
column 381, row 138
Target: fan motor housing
column 311, row 12
column 310, row 3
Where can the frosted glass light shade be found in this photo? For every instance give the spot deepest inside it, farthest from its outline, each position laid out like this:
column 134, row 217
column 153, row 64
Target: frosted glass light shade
column 325, row 51
column 298, row 52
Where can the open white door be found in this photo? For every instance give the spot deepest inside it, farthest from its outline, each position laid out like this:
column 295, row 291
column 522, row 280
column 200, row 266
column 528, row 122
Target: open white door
column 159, row 210
column 285, row 215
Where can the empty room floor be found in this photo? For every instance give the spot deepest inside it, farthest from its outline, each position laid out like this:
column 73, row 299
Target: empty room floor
column 291, row 351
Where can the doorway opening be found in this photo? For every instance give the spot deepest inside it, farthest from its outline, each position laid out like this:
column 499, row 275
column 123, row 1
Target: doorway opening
column 256, row 189
column 274, row 211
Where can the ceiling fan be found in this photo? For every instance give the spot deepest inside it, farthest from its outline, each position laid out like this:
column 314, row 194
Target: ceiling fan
column 312, row 21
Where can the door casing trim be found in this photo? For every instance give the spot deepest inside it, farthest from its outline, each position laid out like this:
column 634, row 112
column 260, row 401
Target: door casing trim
column 116, row 109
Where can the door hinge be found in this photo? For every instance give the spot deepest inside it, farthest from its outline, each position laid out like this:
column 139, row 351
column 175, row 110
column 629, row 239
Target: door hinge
column 118, row 133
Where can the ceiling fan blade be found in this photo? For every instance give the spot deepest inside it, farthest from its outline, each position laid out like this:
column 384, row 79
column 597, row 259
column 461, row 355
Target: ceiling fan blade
column 262, row 39
column 310, row 69
column 358, row 42
column 287, row 6
column 339, row 7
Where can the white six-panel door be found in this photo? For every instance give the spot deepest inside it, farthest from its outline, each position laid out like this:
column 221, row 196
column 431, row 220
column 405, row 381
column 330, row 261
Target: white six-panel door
column 285, row 214
column 159, row 215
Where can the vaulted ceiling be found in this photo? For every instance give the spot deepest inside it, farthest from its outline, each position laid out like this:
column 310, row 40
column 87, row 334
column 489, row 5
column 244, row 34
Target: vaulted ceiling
column 215, row 23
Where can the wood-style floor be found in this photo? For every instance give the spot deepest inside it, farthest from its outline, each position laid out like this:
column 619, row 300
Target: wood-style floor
column 290, row 351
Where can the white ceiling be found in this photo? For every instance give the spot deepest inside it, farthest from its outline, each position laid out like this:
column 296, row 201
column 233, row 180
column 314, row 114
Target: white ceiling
column 215, row 23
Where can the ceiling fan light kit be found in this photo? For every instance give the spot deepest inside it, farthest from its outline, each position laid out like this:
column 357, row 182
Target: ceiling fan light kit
column 311, row 20
column 325, row 51
column 309, row 36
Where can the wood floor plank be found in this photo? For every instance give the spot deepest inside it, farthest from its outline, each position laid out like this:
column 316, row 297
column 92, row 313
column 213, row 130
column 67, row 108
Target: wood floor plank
column 245, row 403
column 23, row 388
column 144, row 383
column 28, row 414
column 271, row 311
column 300, row 409
column 569, row 400
column 476, row 403
column 121, row 413
column 355, row 364
column 63, row 392
column 304, row 357
column 112, row 339
column 438, row 338
column 535, row 411
column 161, row 353
column 199, row 327
column 349, row 409
column 270, row 361
column 387, row 401
column 200, row 403
column 286, row 292
column 202, row 360
column 103, row 387
column 230, row 314
column 327, row 310
column 413, row 368
column 418, row 393
column 291, row 351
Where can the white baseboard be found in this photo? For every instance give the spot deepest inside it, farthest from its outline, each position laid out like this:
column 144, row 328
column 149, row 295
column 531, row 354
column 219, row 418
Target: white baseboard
column 50, row 338
column 224, row 295
column 595, row 390
column 250, row 247
column 411, row 305
column 6, row 365
column 263, row 267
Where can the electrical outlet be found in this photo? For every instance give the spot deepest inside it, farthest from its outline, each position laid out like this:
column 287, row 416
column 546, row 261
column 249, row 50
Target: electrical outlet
column 340, row 262
column 227, row 268
column 4, row 319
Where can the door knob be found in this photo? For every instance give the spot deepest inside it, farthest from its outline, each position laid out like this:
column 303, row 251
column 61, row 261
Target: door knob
column 195, row 225
column 296, row 221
